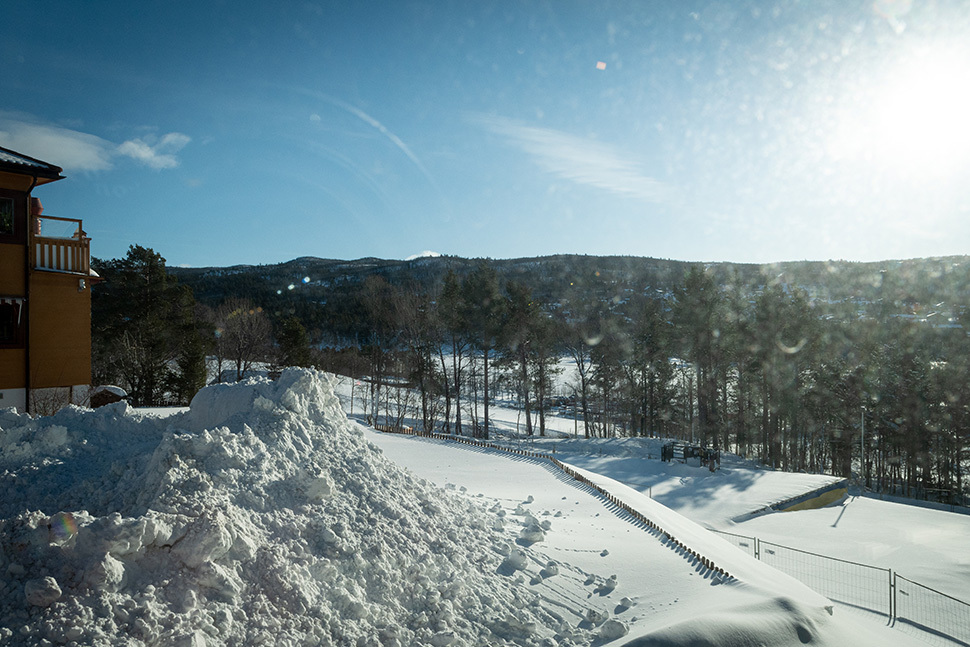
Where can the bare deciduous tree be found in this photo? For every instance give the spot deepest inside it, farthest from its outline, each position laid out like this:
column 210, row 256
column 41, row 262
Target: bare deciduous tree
column 243, row 335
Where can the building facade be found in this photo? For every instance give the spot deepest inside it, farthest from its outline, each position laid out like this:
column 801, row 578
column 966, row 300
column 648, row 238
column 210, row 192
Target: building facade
column 45, row 294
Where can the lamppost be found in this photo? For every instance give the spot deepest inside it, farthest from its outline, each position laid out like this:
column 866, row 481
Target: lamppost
column 862, row 446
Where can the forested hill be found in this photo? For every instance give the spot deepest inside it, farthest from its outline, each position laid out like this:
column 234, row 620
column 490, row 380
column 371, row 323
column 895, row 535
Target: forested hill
column 782, row 362
column 931, row 286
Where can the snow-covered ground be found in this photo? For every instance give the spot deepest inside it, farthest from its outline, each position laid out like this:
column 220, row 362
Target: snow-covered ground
column 928, row 546
column 925, row 545
column 661, row 595
column 263, row 516
column 716, row 500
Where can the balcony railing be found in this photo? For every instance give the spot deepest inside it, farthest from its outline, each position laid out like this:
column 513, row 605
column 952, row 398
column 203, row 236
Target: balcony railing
column 60, row 245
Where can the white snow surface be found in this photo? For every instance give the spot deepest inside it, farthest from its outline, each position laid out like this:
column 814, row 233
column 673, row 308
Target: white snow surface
column 661, row 595
column 262, row 516
column 116, row 390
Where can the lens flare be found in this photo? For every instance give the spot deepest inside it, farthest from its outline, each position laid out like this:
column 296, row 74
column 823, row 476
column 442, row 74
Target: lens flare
column 62, row 526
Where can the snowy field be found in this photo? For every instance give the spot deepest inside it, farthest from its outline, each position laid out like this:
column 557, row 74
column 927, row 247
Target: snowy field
column 928, row 546
column 263, row 516
column 660, row 595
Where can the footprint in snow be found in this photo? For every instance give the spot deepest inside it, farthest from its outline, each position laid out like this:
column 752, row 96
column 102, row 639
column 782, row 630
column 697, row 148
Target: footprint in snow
column 551, row 570
column 606, row 587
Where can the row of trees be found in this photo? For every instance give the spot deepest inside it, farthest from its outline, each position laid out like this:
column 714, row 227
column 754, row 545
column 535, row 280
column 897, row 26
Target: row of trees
column 151, row 337
column 759, row 370
column 455, row 346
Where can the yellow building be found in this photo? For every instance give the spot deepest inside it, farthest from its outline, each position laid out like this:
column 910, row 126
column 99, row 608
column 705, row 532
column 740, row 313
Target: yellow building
column 45, row 295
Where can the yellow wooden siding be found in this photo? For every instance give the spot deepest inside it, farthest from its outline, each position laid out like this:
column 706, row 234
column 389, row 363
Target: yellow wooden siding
column 15, row 181
column 12, row 368
column 60, row 330
column 11, row 270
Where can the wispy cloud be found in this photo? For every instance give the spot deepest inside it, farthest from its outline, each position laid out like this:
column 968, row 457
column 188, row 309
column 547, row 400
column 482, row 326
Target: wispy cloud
column 373, row 123
column 77, row 151
column 70, row 149
column 157, row 154
column 580, row 160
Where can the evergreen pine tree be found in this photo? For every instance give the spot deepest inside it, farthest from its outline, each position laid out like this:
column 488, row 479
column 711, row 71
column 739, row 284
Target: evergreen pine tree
column 294, row 343
column 142, row 320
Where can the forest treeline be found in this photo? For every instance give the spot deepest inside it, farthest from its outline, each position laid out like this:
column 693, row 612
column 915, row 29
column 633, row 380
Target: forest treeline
column 872, row 387
column 154, row 339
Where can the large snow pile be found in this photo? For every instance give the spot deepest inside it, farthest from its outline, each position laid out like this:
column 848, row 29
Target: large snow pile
column 260, row 516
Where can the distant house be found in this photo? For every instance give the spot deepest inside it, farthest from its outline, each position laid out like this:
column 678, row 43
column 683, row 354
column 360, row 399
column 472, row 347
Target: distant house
column 45, row 295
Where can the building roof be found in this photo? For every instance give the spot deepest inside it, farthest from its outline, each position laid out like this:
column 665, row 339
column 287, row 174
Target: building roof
column 14, row 162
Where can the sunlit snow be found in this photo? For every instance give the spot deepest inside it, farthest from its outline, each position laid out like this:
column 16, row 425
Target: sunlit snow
column 262, row 515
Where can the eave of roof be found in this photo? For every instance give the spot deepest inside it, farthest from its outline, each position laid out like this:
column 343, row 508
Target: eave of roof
column 14, row 162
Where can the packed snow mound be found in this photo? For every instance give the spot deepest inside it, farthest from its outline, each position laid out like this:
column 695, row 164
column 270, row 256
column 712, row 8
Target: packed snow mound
column 259, row 516
column 772, row 623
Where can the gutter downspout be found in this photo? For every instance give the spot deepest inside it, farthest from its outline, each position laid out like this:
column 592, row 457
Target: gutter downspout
column 27, row 252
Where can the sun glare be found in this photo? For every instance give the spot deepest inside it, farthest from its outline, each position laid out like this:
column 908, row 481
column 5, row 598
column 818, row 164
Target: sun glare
column 924, row 114
column 915, row 120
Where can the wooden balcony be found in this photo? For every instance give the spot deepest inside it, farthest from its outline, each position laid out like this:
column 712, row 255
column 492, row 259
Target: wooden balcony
column 59, row 245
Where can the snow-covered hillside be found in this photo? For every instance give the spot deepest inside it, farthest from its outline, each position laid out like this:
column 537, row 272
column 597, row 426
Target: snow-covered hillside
column 263, row 516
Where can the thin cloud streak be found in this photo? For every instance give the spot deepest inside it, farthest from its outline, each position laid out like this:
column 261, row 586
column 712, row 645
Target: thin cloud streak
column 376, row 125
column 580, row 160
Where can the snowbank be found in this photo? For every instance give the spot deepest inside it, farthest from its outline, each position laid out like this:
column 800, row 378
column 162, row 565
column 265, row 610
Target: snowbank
column 259, row 516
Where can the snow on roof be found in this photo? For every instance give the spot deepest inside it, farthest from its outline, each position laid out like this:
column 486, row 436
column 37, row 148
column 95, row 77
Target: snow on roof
column 116, row 390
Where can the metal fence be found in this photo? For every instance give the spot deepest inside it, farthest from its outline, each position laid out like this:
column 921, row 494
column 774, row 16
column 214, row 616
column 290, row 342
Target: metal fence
column 849, row 583
column 912, row 607
column 920, row 608
column 747, row 544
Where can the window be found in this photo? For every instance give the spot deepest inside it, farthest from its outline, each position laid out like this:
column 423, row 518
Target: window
column 6, row 217
column 13, row 210
column 11, row 328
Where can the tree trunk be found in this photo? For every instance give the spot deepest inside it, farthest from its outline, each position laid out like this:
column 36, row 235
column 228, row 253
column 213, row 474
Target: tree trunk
column 524, row 386
column 485, row 372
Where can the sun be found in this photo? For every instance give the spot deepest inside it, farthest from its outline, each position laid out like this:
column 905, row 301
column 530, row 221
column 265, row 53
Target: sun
column 915, row 119
column 923, row 115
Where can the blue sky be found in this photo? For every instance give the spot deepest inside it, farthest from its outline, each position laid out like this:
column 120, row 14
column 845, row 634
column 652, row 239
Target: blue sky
column 220, row 133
